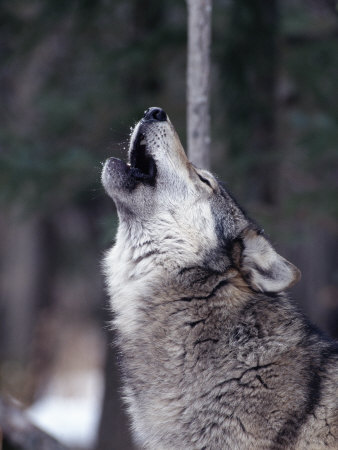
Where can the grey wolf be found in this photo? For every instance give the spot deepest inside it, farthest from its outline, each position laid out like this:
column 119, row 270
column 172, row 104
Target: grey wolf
column 215, row 354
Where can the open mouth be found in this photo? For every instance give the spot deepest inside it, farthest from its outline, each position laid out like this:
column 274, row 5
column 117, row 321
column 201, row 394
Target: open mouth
column 142, row 164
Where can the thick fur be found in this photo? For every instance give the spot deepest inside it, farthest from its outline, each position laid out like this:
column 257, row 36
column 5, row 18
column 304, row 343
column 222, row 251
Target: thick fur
column 215, row 355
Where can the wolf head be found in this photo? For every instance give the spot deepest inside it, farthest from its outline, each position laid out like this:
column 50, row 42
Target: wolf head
column 185, row 213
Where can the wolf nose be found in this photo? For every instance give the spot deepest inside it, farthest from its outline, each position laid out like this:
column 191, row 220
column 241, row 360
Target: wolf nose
column 155, row 114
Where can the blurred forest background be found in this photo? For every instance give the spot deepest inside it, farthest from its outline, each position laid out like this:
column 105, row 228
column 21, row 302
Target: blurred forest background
column 74, row 76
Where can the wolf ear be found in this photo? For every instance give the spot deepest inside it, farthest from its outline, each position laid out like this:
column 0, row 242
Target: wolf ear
column 263, row 268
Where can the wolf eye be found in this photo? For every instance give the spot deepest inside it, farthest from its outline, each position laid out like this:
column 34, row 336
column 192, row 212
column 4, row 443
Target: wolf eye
column 204, row 180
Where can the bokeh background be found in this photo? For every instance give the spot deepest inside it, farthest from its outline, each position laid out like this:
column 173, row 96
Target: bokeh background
column 74, row 76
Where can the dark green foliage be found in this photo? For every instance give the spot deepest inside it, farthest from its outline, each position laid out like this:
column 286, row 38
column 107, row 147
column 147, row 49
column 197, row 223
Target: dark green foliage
column 249, row 64
column 76, row 76
column 278, row 68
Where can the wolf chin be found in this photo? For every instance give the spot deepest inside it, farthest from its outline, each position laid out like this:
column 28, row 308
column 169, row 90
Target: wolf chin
column 215, row 355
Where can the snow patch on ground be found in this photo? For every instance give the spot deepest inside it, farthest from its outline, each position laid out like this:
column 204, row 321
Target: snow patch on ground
column 70, row 408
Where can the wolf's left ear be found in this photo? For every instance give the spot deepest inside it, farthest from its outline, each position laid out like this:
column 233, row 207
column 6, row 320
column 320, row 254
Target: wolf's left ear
column 263, row 268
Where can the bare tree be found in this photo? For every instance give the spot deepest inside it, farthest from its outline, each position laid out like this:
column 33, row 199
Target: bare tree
column 198, row 81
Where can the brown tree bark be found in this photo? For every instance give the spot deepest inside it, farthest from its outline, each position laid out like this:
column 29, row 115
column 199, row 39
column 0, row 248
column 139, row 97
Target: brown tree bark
column 198, row 81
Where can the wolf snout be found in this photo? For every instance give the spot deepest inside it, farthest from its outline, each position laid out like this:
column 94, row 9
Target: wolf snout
column 154, row 114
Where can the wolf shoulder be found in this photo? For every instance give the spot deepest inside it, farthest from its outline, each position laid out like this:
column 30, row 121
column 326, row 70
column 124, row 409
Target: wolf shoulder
column 310, row 374
column 293, row 386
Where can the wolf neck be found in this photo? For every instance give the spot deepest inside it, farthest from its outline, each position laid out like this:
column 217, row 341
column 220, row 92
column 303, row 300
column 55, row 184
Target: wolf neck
column 163, row 241
column 142, row 263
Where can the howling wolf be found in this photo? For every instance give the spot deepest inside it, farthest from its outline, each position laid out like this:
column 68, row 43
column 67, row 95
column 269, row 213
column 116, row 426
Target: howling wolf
column 215, row 355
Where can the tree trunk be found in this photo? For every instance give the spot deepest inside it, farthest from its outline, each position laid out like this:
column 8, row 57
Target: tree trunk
column 21, row 248
column 198, row 81
column 114, row 432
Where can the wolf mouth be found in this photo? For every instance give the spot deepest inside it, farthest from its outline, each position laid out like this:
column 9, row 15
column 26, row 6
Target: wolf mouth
column 118, row 176
column 142, row 164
